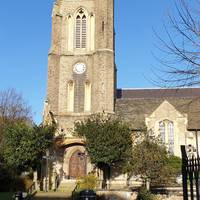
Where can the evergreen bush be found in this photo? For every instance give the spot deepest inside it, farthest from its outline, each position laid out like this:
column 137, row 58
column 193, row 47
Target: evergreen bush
column 89, row 181
column 143, row 194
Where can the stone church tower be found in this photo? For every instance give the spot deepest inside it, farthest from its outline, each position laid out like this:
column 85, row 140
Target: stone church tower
column 81, row 82
column 81, row 73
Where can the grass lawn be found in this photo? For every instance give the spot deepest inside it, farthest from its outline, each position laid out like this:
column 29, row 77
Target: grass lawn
column 6, row 196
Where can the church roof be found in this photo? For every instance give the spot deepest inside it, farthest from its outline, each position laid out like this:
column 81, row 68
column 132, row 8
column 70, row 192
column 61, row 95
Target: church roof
column 134, row 104
column 158, row 93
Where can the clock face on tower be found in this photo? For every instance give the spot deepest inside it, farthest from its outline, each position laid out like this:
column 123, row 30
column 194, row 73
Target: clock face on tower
column 79, row 68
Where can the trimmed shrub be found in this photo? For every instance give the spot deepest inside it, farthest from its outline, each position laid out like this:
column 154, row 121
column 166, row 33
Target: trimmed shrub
column 169, row 173
column 143, row 194
column 89, row 181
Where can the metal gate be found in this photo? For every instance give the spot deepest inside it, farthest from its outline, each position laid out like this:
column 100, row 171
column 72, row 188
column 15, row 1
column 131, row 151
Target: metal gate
column 190, row 176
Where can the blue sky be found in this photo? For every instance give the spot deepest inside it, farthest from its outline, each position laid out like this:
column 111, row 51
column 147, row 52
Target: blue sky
column 25, row 32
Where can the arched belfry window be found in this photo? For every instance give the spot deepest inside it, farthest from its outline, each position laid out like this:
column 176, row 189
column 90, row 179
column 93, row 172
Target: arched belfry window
column 81, row 30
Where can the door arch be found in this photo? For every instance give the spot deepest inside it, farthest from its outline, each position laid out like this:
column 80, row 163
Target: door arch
column 77, row 165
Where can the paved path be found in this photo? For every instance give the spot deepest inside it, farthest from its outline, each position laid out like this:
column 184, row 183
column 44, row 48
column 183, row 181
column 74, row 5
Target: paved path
column 52, row 196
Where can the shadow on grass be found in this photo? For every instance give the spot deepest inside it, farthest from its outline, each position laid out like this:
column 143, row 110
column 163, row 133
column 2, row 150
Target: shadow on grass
column 51, row 198
column 110, row 197
column 101, row 197
column 6, row 196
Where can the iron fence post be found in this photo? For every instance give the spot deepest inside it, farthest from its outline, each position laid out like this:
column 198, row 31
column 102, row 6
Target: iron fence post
column 184, row 173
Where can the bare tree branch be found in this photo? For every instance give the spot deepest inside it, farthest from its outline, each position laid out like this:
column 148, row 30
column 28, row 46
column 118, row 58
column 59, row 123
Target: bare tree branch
column 180, row 53
column 13, row 107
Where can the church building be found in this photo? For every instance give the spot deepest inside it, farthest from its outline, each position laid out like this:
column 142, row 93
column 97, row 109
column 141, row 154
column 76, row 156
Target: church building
column 82, row 81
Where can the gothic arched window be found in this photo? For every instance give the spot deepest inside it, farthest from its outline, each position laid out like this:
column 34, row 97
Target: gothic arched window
column 162, row 131
column 81, row 30
column 87, row 104
column 166, row 129
column 70, row 96
column 171, row 137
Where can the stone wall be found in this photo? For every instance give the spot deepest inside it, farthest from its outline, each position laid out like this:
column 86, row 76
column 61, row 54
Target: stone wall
column 128, row 195
column 163, row 197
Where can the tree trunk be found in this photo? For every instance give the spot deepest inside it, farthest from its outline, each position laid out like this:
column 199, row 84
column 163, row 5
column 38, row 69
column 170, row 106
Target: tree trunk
column 128, row 181
column 106, row 177
column 147, row 184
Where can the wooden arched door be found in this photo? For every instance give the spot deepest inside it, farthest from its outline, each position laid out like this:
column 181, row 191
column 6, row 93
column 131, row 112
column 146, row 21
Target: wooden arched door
column 77, row 165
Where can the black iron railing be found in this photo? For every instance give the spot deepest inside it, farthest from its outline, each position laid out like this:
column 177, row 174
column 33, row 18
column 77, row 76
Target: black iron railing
column 190, row 176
